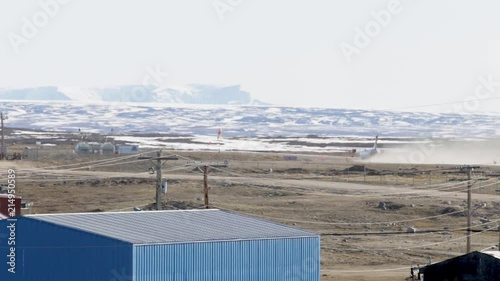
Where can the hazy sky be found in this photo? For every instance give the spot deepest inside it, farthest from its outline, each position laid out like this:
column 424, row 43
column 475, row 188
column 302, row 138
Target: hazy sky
column 286, row 52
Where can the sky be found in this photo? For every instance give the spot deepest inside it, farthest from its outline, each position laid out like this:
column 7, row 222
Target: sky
column 365, row 54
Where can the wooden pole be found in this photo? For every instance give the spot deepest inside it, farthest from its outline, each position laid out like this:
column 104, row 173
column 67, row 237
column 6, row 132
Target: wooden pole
column 469, row 208
column 158, row 166
column 205, row 184
column 1, row 117
column 158, row 181
column 1, row 152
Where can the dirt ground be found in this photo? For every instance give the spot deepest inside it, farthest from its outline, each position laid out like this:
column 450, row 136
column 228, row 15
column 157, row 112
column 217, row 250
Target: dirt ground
column 363, row 215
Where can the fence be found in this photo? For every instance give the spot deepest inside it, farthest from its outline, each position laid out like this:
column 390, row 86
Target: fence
column 275, row 167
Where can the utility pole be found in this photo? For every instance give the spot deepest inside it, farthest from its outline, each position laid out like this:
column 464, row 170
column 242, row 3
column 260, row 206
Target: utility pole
column 205, row 184
column 469, row 208
column 468, row 169
column 3, row 137
column 1, row 117
column 159, row 163
column 205, row 177
column 158, row 181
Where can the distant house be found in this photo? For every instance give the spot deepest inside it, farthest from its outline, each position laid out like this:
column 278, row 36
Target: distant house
column 476, row 266
column 127, row 149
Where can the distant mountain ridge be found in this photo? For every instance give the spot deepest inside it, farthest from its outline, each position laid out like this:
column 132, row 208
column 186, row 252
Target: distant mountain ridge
column 190, row 94
column 41, row 93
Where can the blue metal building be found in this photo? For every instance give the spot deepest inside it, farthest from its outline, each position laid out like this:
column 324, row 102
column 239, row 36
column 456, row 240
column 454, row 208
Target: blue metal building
column 195, row 245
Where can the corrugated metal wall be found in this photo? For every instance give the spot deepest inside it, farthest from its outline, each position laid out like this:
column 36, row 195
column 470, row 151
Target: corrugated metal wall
column 47, row 252
column 290, row 259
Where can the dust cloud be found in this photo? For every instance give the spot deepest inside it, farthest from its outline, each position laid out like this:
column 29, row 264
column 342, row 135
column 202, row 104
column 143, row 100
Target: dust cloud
column 478, row 152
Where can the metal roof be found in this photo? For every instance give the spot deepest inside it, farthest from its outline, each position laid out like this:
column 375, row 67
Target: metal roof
column 165, row 227
column 495, row 254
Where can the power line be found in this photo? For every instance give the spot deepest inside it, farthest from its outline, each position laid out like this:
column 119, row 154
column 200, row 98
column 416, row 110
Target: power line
column 89, row 162
column 436, row 104
column 63, row 172
column 90, row 177
column 378, row 223
column 107, row 163
column 488, row 248
column 425, row 245
column 366, row 223
column 421, row 233
column 87, row 203
column 398, row 194
column 434, row 192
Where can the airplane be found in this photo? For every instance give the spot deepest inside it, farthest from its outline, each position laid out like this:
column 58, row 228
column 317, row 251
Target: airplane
column 367, row 152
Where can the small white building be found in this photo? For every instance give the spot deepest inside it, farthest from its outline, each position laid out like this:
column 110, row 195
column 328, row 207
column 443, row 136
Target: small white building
column 127, row 149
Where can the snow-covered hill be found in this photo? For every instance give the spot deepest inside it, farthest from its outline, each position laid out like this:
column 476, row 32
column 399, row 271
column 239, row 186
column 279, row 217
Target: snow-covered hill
column 243, row 121
column 190, row 94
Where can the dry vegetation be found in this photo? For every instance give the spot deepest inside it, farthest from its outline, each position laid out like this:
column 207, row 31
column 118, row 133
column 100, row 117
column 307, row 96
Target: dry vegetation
column 330, row 197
